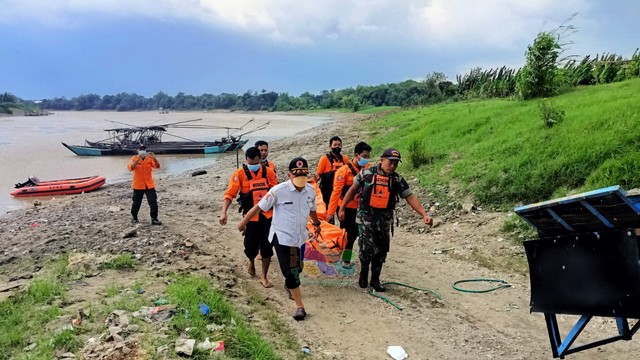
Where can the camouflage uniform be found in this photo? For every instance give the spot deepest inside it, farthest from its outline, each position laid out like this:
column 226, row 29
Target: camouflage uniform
column 375, row 224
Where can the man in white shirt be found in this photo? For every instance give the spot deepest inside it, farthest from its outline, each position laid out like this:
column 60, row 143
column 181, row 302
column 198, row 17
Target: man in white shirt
column 293, row 202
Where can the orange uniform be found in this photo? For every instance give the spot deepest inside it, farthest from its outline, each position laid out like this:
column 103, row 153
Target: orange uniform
column 341, row 184
column 142, row 177
column 252, row 186
column 325, row 165
column 271, row 166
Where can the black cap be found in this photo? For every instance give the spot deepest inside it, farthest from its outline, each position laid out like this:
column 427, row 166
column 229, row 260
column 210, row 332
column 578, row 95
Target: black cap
column 142, row 147
column 299, row 166
column 392, row 154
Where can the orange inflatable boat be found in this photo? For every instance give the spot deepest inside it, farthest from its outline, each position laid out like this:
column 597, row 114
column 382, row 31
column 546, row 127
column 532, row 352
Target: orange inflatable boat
column 34, row 187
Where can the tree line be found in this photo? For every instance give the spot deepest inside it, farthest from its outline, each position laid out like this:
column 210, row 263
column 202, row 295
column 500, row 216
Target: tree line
column 544, row 74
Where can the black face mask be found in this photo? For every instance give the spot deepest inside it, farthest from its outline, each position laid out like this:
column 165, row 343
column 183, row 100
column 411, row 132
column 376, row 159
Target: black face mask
column 336, row 150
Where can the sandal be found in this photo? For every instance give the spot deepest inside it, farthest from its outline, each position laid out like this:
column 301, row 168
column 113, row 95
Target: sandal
column 300, row 314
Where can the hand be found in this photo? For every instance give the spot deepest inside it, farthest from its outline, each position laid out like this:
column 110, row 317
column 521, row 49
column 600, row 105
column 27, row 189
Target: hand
column 241, row 226
column 317, row 230
column 223, row 219
column 341, row 214
column 151, row 155
column 330, row 218
column 427, row 220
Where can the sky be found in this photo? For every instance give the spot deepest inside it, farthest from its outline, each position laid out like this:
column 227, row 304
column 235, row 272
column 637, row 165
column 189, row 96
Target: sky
column 68, row 48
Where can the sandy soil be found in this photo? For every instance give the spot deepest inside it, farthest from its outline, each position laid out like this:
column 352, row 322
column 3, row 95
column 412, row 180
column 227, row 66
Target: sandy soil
column 345, row 322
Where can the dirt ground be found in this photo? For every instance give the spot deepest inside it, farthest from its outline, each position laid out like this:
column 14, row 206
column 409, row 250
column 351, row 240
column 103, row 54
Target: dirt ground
column 345, row 322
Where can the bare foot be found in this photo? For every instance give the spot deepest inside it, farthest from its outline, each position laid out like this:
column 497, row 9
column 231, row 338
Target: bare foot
column 266, row 283
column 252, row 269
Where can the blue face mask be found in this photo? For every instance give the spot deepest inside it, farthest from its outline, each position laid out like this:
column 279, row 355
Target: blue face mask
column 254, row 168
column 363, row 161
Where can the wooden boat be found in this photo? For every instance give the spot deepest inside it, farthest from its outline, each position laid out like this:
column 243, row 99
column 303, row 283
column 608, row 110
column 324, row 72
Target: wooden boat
column 33, row 187
column 126, row 140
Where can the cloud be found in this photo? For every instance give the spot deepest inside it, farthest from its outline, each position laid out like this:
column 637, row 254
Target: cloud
column 414, row 23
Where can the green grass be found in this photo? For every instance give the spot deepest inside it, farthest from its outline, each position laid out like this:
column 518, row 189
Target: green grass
column 375, row 110
column 241, row 341
column 120, row 262
column 26, row 314
column 502, row 154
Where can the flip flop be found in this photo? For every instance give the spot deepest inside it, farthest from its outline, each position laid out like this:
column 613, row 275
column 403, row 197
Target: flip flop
column 269, row 284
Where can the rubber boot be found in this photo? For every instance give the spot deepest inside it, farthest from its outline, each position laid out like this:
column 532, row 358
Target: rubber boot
column 364, row 275
column 376, row 269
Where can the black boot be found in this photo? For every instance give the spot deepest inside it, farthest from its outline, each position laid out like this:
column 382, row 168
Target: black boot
column 364, row 275
column 376, row 269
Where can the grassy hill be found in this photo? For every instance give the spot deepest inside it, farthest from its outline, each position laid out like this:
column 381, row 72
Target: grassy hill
column 501, row 153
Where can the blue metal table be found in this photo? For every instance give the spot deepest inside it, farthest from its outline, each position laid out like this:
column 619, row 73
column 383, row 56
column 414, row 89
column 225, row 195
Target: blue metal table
column 586, row 262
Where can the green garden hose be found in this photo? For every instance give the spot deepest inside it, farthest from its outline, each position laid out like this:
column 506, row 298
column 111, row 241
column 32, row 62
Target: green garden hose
column 503, row 284
column 376, row 294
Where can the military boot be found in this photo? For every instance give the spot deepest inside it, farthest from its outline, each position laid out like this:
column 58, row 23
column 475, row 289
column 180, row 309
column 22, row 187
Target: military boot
column 364, row 275
column 376, row 269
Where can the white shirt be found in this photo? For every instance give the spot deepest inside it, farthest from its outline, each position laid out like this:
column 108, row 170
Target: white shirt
column 290, row 212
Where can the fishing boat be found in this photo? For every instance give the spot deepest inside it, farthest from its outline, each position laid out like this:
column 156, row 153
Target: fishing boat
column 126, row 140
column 35, row 187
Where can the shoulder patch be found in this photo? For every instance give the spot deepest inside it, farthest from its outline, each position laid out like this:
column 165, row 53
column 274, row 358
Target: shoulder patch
column 340, row 178
column 235, row 179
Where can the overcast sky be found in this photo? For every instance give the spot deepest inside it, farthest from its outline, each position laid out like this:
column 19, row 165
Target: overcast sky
column 53, row 48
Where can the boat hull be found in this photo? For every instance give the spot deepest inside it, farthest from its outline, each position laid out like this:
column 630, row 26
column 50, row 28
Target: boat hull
column 158, row 149
column 61, row 187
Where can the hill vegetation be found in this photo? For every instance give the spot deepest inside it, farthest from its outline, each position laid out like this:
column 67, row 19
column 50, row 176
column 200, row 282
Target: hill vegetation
column 503, row 152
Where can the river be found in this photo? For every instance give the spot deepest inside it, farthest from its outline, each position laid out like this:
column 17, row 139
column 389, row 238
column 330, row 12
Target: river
column 32, row 145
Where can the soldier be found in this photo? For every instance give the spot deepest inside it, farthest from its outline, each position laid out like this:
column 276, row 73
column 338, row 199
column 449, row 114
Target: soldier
column 252, row 180
column 380, row 189
column 341, row 184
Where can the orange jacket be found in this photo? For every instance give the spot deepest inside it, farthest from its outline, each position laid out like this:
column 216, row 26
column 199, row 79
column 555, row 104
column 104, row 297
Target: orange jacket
column 238, row 182
column 341, row 184
column 142, row 176
column 325, row 166
column 271, row 166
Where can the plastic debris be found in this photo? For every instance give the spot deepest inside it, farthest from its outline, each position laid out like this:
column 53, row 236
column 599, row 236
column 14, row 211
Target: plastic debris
column 306, row 350
column 185, row 346
column 205, row 345
column 218, row 346
column 161, row 301
column 204, row 309
column 397, row 352
column 159, row 313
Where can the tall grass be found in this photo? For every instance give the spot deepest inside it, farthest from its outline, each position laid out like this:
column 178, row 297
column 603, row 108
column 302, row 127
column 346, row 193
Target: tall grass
column 500, row 152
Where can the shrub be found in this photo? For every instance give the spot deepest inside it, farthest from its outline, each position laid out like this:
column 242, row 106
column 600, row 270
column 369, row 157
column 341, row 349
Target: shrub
column 418, row 154
column 549, row 114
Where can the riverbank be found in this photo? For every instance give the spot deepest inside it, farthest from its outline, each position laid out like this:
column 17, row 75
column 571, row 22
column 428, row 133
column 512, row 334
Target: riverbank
column 345, row 322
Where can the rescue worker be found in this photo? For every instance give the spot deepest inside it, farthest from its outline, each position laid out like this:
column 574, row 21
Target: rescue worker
column 263, row 146
column 142, row 166
column 328, row 165
column 380, row 188
column 293, row 202
column 341, row 184
column 252, row 181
